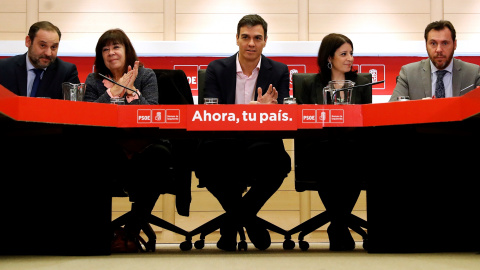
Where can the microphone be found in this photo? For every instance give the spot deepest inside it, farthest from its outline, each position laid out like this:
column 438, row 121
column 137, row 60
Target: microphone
column 372, row 83
column 356, row 86
column 112, row 81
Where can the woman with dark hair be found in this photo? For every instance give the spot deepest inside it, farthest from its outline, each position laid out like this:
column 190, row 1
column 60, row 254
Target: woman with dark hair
column 335, row 61
column 339, row 190
column 122, row 156
column 114, row 58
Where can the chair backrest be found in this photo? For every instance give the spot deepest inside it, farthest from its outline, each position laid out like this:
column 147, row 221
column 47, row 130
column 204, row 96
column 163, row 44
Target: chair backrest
column 173, row 87
column 313, row 155
column 298, row 78
column 201, row 85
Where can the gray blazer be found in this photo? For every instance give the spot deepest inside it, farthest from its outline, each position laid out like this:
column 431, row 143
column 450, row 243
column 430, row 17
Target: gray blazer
column 146, row 83
column 415, row 79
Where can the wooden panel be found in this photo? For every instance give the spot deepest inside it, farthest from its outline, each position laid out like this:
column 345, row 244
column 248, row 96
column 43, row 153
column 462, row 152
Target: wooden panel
column 368, row 23
column 283, row 200
column 317, row 205
column 230, row 38
column 374, row 36
column 283, row 219
column 288, row 143
column 464, row 23
column 236, row 6
column 93, row 6
column 204, row 201
column 100, row 22
column 94, row 36
column 369, row 6
column 461, row 6
column 13, row 23
column 13, row 36
column 210, row 23
column 9, row 6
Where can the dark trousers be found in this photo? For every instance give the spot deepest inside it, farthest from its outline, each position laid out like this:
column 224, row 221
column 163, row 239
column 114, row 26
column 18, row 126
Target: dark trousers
column 227, row 167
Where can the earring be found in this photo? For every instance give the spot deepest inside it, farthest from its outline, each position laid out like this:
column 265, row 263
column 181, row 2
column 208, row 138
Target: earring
column 329, row 65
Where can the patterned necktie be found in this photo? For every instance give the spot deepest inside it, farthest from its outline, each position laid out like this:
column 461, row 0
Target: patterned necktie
column 36, row 82
column 439, row 86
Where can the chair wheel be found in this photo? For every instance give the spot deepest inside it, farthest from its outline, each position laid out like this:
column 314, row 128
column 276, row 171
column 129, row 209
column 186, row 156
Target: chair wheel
column 199, row 244
column 242, row 245
column 186, row 245
column 304, row 245
column 288, row 244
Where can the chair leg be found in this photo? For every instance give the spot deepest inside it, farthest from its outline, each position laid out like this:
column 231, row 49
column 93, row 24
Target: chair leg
column 121, row 220
column 311, row 225
column 166, row 225
column 356, row 224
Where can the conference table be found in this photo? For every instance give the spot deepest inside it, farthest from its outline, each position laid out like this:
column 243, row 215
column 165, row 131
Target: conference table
column 421, row 197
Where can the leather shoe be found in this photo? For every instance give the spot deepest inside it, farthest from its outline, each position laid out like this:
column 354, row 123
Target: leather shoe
column 227, row 244
column 259, row 235
column 228, row 238
column 340, row 238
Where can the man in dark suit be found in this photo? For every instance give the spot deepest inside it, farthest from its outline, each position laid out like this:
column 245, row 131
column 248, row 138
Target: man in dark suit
column 18, row 73
column 228, row 166
column 419, row 80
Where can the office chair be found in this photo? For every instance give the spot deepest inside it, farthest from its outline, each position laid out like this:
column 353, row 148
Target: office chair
column 308, row 175
column 173, row 88
column 215, row 223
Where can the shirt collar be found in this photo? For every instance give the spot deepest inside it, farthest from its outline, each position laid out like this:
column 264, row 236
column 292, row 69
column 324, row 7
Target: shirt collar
column 449, row 68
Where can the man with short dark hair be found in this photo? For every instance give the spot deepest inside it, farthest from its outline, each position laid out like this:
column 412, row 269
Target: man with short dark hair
column 38, row 73
column 440, row 75
column 228, row 166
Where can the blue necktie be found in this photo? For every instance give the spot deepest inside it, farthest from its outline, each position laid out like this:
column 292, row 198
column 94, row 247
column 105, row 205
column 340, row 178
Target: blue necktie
column 439, row 86
column 36, row 82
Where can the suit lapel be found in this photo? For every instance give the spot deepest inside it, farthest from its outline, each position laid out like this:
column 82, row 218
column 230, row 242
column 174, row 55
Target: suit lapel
column 456, row 78
column 231, row 78
column 22, row 76
column 263, row 76
column 427, row 78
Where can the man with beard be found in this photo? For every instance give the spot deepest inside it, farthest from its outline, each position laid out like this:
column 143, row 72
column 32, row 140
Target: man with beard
column 419, row 80
column 18, row 73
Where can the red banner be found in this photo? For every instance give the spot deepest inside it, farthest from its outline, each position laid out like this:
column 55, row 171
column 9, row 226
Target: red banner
column 238, row 117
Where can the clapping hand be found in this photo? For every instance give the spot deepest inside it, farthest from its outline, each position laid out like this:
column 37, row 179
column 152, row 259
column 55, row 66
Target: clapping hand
column 270, row 96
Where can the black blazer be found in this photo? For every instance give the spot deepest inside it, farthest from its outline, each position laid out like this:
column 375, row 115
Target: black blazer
column 13, row 76
column 221, row 78
column 312, row 90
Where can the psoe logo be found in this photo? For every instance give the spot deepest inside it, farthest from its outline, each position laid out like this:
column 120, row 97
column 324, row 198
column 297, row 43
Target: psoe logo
column 158, row 116
column 144, row 116
column 323, row 116
column 308, row 116
column 172, row 116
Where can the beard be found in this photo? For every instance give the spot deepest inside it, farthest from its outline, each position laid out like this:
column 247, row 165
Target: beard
column 38, row 61
column 442, row 64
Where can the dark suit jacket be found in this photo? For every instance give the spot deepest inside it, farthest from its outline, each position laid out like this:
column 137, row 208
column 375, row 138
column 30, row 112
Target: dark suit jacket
column 221, row 77
column 13, row 76
column 312, row 90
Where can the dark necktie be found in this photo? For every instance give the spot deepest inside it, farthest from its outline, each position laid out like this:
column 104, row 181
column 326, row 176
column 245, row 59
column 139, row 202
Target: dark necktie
column 439, row 86
column 36, row 82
